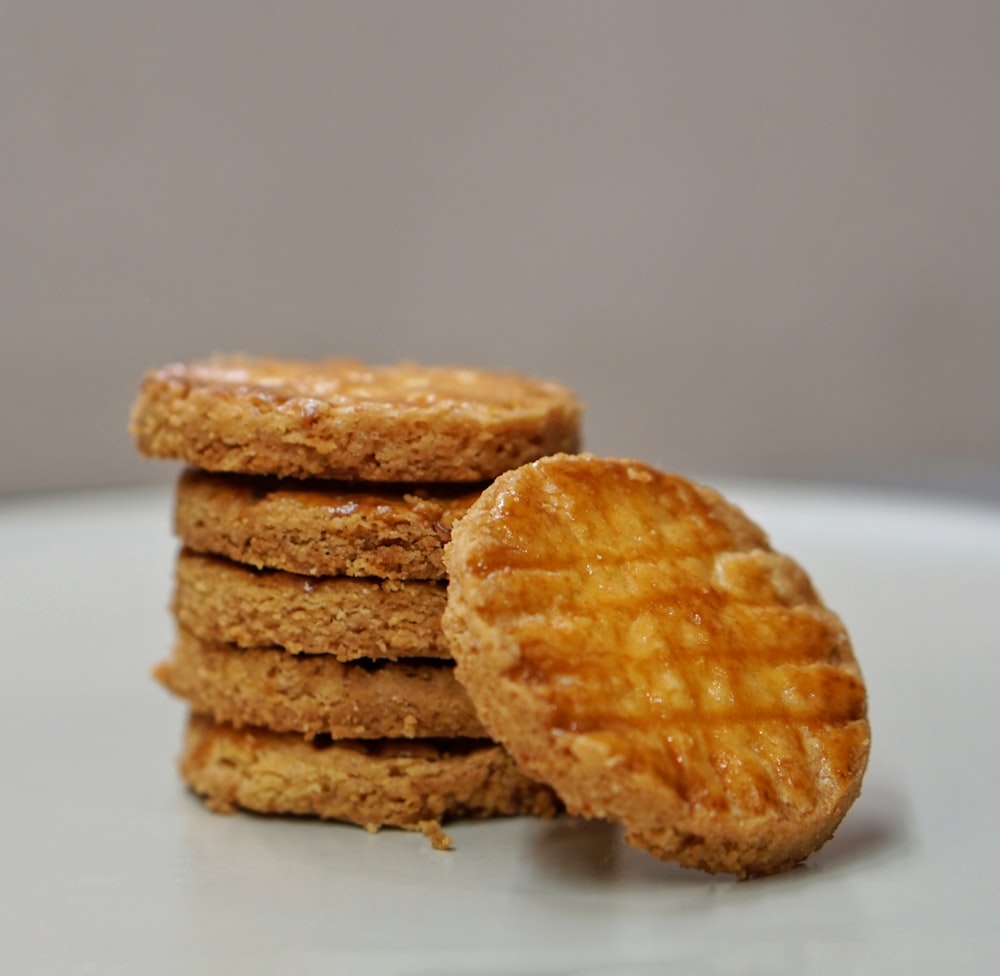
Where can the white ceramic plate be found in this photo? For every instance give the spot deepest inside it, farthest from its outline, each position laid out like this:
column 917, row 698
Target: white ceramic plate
column 108, row 865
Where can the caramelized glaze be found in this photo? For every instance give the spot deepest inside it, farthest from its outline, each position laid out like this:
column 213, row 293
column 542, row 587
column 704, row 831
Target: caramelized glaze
column 665, row 637
column 308, row 387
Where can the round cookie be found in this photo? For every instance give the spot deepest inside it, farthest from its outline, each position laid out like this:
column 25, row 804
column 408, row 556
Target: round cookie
column 320, row 528
column 381, row 783
column 340, row 616
column 633, row 641
column 318, row 695
column 342, row 419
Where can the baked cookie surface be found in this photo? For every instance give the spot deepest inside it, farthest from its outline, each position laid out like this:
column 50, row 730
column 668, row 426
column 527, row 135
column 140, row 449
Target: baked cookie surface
column 320, row 528
column 633, row 641
column 381, row 783
column 345, row 420
column 318, row 695
column 344, row 617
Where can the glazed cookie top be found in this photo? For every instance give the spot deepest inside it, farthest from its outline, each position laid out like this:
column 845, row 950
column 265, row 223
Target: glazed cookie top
column 633, row 640
column 342, row 419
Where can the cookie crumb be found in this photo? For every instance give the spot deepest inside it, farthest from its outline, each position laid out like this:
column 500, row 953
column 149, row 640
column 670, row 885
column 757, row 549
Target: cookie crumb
column 440, row 841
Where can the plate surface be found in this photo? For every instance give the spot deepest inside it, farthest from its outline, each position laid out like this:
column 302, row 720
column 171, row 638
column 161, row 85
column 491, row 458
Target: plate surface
column 109, row 865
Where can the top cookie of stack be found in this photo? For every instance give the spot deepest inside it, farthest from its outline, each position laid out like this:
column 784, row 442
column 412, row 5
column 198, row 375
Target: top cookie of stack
column 309, row 592
column 343, row 420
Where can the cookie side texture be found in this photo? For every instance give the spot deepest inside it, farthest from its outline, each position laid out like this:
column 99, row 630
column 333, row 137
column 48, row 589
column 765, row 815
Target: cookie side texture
column 383, row 783
column 318, row 695
column 633, row 641
column 320, row 528
column 344, row 617
column 344, row 420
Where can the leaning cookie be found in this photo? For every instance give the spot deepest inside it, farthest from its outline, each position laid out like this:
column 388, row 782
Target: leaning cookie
column 633, row 641
column 342, row 419
column 380, row 783
column 321, row 528
column 340, row 616
column 317, row 694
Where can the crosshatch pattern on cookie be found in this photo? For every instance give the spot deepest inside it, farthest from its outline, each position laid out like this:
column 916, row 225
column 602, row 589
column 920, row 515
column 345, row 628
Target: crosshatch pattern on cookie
column 644, row 630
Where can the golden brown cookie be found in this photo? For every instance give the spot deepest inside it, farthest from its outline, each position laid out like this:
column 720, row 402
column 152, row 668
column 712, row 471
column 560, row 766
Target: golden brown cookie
column 632, row 639
column 380, row 783
column 318, row 695
column 347, row 618
column 343, row 419
column 320, row 528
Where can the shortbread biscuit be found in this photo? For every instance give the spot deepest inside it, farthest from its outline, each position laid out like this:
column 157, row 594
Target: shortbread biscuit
column 320, row 528
column 318, row 695
column 632, row 639
column 343, row 419
column 220, row 600
column 381, row 783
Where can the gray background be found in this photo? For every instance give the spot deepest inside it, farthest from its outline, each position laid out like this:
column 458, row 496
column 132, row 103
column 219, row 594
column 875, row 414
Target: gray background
column 757, row 238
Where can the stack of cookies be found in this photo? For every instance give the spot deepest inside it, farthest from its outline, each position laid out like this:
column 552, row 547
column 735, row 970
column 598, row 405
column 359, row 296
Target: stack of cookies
column 402, row 597
column 310, row 585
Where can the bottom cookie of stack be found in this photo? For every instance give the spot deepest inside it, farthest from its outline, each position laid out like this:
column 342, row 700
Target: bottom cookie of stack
column 410, row 783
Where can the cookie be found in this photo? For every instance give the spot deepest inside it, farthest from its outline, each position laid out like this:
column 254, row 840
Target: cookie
column 344, row 420
column 633, row 641
column 348, row 618
column 381, row 783
column 318, row 695
column 320, row 528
